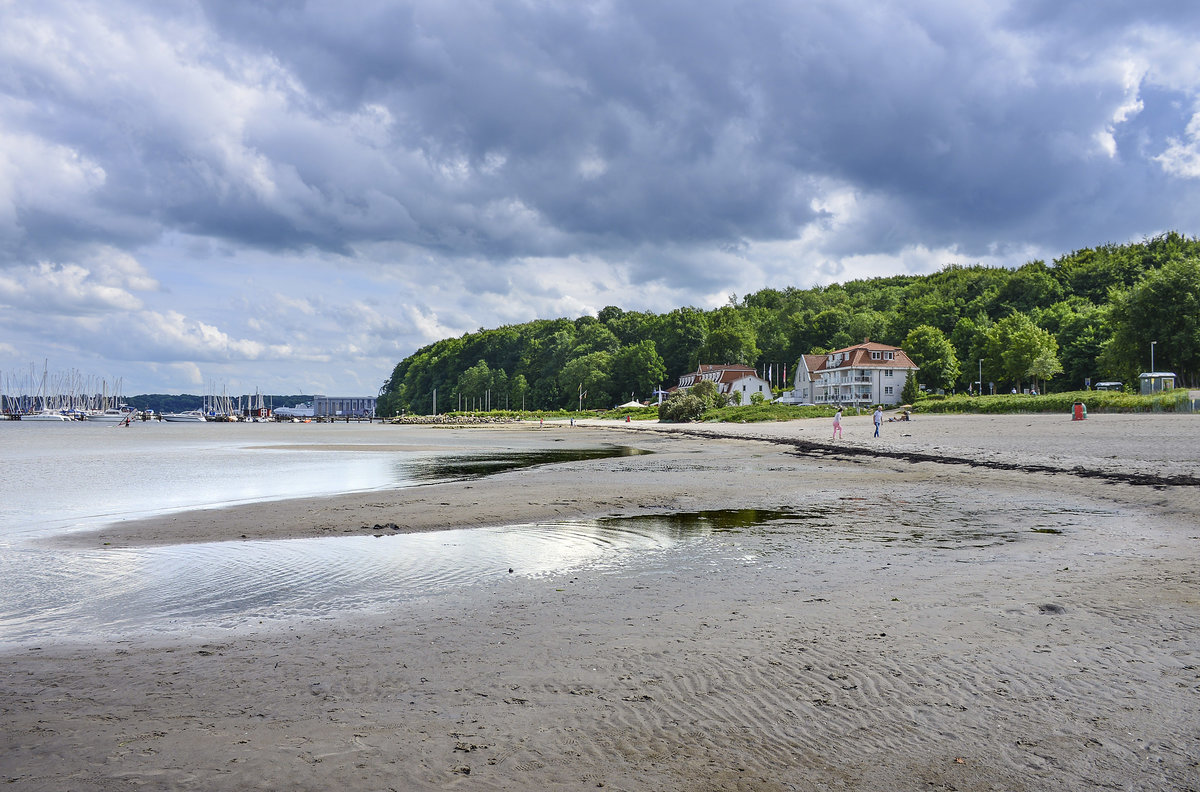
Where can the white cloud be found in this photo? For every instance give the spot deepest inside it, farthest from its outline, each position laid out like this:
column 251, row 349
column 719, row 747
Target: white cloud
column 190, row 371
column 65, row 289
column 175, row 335
column 1181, row 158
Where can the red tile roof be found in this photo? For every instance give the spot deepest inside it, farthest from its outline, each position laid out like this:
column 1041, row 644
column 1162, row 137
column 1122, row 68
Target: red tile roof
column 859, row 356
column 729, row 374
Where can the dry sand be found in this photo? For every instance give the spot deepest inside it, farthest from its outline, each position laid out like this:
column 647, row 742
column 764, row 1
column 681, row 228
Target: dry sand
column 1023, row 617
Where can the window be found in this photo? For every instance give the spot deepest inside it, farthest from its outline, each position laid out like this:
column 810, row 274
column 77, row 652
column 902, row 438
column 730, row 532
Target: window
column 875, row 356
column 890, row 355
column 887, row 372
column 887, row 390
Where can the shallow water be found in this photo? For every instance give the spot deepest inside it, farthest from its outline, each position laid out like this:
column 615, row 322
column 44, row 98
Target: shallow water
column 55, row 594
column 71, row 476
column 66, row 477
column 62, row 477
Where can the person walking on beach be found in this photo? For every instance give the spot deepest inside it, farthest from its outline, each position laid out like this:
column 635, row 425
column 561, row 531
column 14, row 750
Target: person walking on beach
column 837, row 424
column 878, row 419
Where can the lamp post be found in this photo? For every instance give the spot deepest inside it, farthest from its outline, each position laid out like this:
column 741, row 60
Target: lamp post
column 980, row 376
column 1152, row 343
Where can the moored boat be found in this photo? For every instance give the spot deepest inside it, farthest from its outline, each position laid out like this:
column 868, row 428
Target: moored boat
column 111, row 415
column 45, row 415
column 192, row 416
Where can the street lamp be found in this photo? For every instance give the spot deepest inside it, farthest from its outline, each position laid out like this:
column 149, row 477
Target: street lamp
column 980, row 376
column 1152, row 369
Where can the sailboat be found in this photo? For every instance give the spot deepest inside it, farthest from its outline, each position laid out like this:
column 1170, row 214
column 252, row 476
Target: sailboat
column 45, row 414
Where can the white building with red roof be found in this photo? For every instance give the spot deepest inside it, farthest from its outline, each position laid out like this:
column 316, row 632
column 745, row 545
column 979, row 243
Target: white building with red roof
column 734, row 380
column 856, row 376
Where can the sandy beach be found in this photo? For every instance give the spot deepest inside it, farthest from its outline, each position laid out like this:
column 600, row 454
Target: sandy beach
column 966, row 602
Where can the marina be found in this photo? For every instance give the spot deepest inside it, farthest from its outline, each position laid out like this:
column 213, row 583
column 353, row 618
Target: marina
column 72, row 396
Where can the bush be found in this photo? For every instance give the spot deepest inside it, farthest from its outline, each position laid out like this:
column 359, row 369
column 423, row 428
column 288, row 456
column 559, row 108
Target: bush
column 709, row 394
column 757, row 413
column 681, row 408
column 635, row 413
column 1096, row 401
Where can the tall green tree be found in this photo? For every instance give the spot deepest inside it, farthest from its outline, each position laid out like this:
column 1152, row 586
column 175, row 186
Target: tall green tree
column 595, row 338
column 730, row 339
column 678, row 337
column 1163, row 308
column 518, row 389
column 1031, row 286
column 911, row 390
column 1081, row 330
column 589, row 376
column 1018, row 348
column 473, row 385
column 1044, row 366
column 638, row 369
column 933, row 353
column 970, row 346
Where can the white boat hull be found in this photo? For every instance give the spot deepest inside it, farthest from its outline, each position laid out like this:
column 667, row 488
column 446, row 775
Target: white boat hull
column 110, row 416
column 188, row 417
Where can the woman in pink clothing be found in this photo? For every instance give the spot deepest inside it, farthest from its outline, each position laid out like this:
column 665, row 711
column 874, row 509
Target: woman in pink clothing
column 837, row 424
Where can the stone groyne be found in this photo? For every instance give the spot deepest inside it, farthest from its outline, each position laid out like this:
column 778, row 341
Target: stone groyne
column 453, row 420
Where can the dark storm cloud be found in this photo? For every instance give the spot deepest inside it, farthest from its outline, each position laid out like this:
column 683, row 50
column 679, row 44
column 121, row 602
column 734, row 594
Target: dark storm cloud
column 624, row 123
column 374, row 176
column 621, row 130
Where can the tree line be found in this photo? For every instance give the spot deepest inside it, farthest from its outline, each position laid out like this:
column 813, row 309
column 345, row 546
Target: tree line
column 1090, row 314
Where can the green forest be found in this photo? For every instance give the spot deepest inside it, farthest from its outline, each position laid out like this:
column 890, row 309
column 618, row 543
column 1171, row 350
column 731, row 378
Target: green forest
column 1091, row 314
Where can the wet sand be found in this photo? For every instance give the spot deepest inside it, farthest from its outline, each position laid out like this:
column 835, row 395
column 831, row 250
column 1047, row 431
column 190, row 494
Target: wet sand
column 1022, row 617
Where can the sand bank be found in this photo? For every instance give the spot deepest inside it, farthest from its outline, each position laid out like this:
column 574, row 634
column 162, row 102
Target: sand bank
column 919, row 625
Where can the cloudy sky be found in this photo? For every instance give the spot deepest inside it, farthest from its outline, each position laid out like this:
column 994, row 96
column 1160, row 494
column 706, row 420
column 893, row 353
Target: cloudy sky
column 292, row 196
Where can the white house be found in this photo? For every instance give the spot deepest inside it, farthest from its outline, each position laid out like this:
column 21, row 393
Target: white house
column 859, row 375
column 734, row 380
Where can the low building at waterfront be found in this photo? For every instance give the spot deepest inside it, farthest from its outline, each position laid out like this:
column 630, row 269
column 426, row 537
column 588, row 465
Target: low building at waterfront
column 733, row 380
column 343, row 406
column 331, row 407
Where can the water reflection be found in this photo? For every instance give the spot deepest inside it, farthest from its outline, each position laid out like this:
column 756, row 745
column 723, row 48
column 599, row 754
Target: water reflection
column 60, row 593
column 684, row 524
column 56, row 594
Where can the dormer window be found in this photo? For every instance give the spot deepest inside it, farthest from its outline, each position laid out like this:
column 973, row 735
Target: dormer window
column 875, row 355
column 890, row 355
